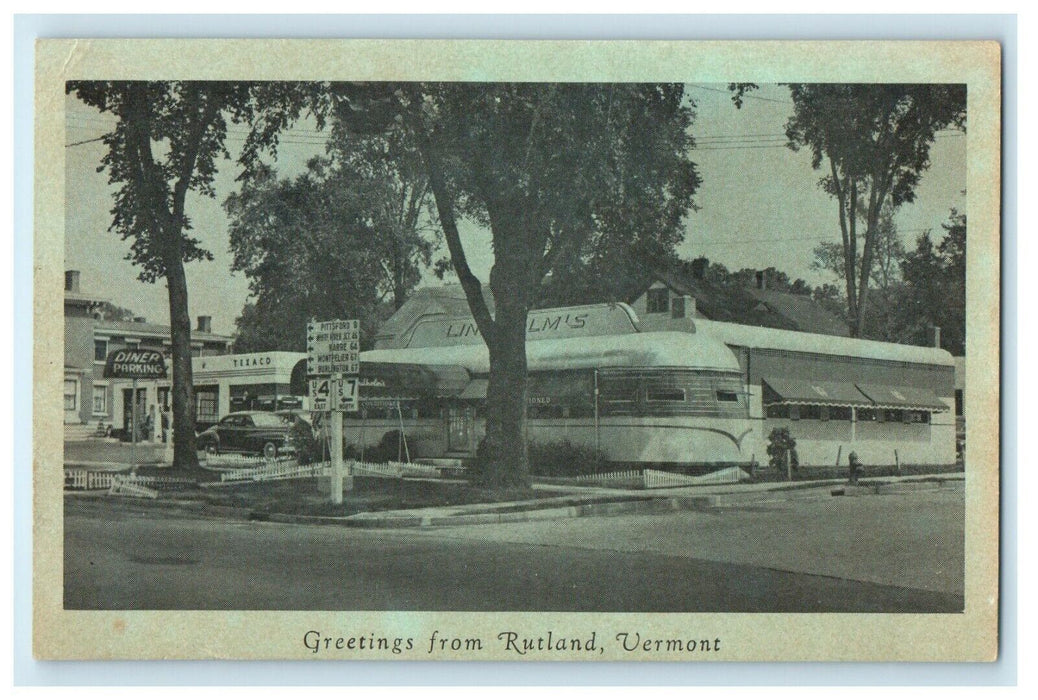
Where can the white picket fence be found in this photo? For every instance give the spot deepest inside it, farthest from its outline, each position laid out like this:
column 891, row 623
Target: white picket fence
column 273, row 472
column 129, row 486
column 654, row 479
column 87, row 480
column 241, row 462
column 277, row 472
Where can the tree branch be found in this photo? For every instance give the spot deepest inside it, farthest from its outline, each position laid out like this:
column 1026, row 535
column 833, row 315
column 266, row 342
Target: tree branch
column 469, row 282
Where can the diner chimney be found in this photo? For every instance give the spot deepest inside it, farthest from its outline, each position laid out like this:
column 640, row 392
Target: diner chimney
column 934, row 336
column 71, row 280
column 205, row 324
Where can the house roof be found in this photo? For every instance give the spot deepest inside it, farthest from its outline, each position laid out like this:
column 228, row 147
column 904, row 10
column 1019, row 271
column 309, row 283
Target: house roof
column 720, row 301
column 81, row 299
column 805, row 313
column 133, row 328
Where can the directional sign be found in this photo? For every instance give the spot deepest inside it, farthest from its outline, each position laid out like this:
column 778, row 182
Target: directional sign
column 320, row 394
column 333, row 347
column 345, row 394
column 331, row 394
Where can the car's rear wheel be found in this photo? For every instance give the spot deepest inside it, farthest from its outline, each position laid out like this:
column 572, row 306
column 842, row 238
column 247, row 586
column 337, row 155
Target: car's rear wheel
column 270, row 450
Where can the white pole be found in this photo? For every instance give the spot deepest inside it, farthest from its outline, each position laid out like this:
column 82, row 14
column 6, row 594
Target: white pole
column 336, row 446
column 133, row 426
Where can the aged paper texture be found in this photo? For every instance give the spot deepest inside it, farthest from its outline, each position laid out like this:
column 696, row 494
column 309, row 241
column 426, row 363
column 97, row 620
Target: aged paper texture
column 903, row 566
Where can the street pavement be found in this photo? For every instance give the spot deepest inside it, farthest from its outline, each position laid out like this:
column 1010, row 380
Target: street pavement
column 898, row 553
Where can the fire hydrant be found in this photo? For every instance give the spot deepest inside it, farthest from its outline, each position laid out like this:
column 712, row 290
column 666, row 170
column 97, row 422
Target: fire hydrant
column 855, row 467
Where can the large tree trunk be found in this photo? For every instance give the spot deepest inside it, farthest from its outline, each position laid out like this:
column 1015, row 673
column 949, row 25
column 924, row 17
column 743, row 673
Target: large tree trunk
column 185, row 452
column 504, row 461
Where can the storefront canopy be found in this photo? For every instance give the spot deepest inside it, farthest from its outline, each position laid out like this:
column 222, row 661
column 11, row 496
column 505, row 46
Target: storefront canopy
column 476, row 389
column 803, row 391
column 398, row 379
column 903, row 397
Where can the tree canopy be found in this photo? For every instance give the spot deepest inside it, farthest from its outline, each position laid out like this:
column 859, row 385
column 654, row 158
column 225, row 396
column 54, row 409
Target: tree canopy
column 348, row 238
column 555, row 171
column 166, row 142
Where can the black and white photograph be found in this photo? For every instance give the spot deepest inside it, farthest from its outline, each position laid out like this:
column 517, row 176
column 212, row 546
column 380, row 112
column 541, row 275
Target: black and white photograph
column 581, row 360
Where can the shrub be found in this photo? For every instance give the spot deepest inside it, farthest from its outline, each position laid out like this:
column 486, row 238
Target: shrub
column 309, row 447
column 781, row 444
column 565, row 459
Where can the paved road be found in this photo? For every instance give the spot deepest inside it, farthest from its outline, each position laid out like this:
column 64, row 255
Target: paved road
column 118, row 557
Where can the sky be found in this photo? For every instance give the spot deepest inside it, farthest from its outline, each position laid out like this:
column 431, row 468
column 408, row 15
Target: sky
column 759, row 205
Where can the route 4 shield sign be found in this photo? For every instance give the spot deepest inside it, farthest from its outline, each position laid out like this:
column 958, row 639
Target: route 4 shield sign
column 320, row 394
column 328, row 394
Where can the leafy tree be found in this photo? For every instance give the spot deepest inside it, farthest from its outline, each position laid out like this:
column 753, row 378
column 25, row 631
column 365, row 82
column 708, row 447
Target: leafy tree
column 348, row 238
column 935, row 288
column 554, row 171
column 875, row 139
column 166, row 142
column 111, row 312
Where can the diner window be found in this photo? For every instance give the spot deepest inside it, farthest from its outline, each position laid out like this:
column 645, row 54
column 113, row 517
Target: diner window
column 664, row 394
column 810, row 412
column 922, row 417
column 893, row 415
column 71, row 389
column 657, row 301
column 794, row 412
column 777, row 411
column 839, row 413
column 100, row 406
column 868, row 415
column 100, row 350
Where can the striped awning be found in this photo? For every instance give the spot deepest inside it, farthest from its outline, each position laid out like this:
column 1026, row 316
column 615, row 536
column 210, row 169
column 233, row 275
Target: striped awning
column 903, row 397
column 806, row 391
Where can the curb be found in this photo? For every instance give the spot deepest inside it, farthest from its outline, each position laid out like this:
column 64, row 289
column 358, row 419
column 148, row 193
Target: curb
column 634, row 503
column 367, row 520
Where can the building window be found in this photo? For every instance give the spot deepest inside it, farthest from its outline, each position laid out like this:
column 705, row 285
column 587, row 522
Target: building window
column 839, row 413
column 958, row 402
column 677, row 308
column 132, row 345
column 810, row 412
column 657, row 301
column 100, row 399
column 100, row 350
column 71, row 392
column 727, row 396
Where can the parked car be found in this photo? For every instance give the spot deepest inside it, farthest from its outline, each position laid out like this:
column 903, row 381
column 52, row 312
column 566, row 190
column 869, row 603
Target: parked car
column 249, row 433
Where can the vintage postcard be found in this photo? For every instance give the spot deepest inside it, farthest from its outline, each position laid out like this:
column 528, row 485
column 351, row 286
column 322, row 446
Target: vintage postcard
column 525, row 350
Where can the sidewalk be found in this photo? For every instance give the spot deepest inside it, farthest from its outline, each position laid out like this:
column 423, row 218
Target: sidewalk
column 578, row 500
column 596, row 501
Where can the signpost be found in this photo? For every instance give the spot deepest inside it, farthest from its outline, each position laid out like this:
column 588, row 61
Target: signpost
column 333, row 349
column 134, row 365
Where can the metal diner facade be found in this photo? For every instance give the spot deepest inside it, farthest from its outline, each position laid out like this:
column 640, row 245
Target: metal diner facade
column 708, row 395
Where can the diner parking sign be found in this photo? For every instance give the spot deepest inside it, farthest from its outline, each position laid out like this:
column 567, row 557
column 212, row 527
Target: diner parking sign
column 135, row 364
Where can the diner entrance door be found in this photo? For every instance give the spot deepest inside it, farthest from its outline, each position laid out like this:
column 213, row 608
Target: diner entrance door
column 459, row 429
